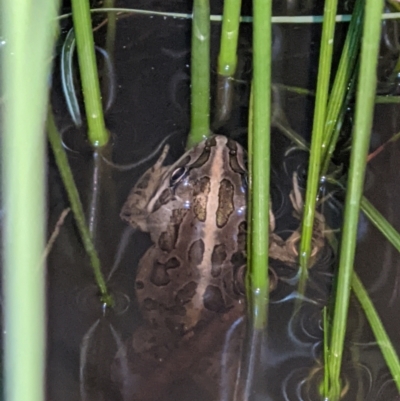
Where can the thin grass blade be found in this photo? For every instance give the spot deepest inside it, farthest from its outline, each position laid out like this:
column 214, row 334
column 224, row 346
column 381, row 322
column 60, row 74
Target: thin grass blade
column 76, row 205
column 386, row 346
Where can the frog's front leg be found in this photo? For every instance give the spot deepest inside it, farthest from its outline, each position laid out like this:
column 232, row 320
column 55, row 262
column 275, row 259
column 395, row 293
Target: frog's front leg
column 318, row 237
column 287, row 251
column 136, row 208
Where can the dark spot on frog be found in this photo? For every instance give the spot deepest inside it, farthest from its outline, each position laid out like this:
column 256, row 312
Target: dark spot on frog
column 217, row 259
column 213, row 299
column 168, row 238
column 178, row 215
column 126, row 213
column 239, row 279
column 163, row 199
column 150, row 304
column 201, row 186
column 177, row 310
column 159, row 274
column 225, row 202
column 196, row 252
column 243, row 227
column 174, row 327
column 139, row 285
column 242, row 235
column 205, row 155
column 186, row 293
column 165, row 196
column 184, row 161
column 144, row 181
column 138, row 192
column 235, row 166
column 238, row 259
column 172, row 263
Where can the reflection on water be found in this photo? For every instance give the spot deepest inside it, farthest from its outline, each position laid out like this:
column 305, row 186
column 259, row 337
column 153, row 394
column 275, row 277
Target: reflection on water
column 98, row 354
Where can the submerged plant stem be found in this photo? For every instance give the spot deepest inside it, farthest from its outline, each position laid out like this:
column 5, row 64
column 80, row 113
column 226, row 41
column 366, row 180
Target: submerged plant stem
column 260, row 180
column 200, row 73
column 98, row 134
column 386, row 346
column 76, row 206
column 381, row 223
column 361, row 136
column 111, row 28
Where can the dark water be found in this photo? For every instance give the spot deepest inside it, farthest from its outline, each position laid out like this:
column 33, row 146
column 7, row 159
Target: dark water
column 151, row 82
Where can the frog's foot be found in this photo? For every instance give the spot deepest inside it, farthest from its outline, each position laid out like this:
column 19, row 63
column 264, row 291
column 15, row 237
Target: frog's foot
column 271, row 218
column 292, row 244
column 318, row 238
column 287, row 251
column 296, row 197
column 281, row 250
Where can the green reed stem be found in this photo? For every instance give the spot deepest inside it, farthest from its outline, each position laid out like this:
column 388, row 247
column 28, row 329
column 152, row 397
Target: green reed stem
column 361, row 136
column 250, row 185
column 111, row 28
column 98, row 134
column 347, row 65
column 76, row 205
column 386, row 346
column 324, row 72
column 227, row 62
column 200, row 72
column 262, row 39
column 227, row 58
column 326, row 330
column 29, row 31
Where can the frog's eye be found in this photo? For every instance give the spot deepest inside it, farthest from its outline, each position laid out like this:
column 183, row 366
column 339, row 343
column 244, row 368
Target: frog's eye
column 177, row 175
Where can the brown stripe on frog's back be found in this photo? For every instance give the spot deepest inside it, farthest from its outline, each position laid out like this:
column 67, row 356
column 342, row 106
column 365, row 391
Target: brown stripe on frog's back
column 233, row 157
column 202, row 187
column 168, row 238
column 200, row 197
column 225, row 202
column 205, row 155
column 212, row 175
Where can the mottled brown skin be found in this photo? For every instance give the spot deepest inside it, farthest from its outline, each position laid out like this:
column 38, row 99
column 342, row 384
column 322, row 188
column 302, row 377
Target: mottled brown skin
column 189, row 283
column 194, row 213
